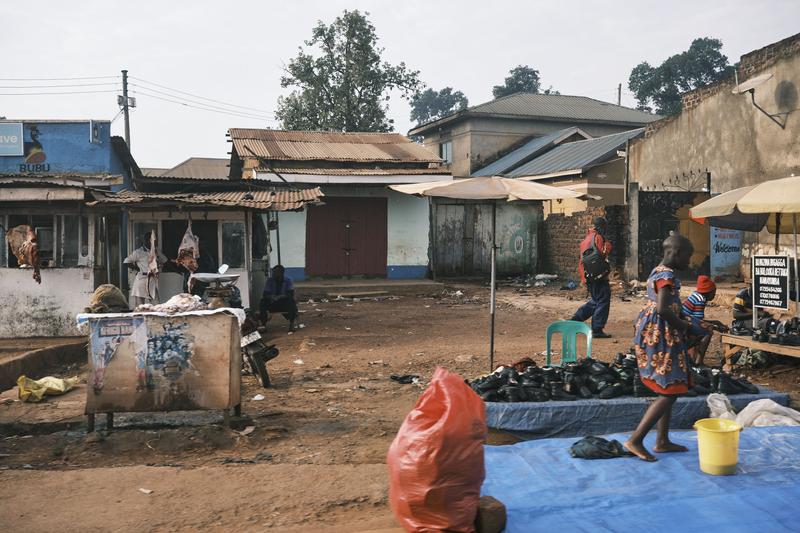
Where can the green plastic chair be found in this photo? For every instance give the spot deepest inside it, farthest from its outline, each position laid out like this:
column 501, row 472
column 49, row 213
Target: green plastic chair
column 569, row 330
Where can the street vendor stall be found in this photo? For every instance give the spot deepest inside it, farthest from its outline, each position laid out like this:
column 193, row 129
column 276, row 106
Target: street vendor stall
column 751, row 209
column 142, row 362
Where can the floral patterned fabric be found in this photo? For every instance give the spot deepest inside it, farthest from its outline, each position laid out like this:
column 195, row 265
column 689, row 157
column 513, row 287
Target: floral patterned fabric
column 660, row 348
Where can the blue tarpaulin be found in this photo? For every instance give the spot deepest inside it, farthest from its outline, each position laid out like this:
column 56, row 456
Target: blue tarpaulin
column 597, row 417
column 545, row 489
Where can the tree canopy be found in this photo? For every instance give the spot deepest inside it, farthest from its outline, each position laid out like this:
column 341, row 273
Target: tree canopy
column 429, row 105
column 521, row 78
column 343, row 84
column 659, row 88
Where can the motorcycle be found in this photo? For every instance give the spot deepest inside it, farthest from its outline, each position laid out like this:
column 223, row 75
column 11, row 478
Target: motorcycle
column 255, row 352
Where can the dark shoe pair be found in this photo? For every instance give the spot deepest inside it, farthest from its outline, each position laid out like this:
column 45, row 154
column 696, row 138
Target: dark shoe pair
column 558, row 393
column 536, row 394
column 600, row 334
column 512, row 393
column 614, row 390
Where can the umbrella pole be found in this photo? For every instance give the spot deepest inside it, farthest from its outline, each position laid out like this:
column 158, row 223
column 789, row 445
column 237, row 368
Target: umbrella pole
column 492, row 296
column 796, row 277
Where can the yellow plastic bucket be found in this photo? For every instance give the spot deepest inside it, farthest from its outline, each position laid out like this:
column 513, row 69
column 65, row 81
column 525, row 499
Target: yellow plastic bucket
column 718, row 445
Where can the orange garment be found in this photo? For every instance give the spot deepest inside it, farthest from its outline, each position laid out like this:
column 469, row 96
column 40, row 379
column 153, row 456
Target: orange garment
column 602, row 245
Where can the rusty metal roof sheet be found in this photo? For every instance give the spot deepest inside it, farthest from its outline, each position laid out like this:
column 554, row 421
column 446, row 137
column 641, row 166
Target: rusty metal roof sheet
column 357, row 171
column 195, row 168
column 262, row 200
column 329, row 146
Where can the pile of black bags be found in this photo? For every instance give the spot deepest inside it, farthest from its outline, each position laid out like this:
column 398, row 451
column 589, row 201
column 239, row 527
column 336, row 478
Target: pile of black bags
column 589, row 378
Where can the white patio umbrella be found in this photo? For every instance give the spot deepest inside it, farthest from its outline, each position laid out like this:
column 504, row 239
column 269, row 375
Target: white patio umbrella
column 491, row 188
column 752, row 208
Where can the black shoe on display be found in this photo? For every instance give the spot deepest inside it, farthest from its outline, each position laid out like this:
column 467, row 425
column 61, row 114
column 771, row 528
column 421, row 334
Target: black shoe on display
column 536, row 394
column 747, row 387
column 557, row 392
column 614, row 390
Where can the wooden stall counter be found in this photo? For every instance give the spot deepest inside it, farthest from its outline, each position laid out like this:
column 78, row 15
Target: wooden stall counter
column 154, row 362
column 733, row 344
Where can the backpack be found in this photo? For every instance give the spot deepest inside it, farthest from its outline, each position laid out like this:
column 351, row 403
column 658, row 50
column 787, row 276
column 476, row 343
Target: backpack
column 595, row 266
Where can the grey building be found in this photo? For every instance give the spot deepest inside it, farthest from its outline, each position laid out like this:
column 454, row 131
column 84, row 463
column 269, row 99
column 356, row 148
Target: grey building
column 475, row 137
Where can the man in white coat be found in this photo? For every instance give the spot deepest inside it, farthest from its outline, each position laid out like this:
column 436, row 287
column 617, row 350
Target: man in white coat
column 143, row 292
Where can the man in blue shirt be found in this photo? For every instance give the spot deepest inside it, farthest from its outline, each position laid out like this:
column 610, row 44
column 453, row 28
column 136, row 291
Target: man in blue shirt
column 279, row 297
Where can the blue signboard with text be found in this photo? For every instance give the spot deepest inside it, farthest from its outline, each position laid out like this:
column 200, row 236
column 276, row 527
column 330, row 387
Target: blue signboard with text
column 11, row 139
column 726, row 252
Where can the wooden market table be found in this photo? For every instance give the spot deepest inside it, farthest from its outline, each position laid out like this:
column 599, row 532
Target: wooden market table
column 733, row 344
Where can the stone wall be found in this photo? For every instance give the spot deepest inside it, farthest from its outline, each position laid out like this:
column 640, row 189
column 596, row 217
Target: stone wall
column 562, row 235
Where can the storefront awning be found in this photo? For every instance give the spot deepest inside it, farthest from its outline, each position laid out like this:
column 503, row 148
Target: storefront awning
column 258, row 200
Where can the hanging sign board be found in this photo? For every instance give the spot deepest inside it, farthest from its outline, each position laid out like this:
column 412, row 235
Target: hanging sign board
column 771, row 281
column 11, row 141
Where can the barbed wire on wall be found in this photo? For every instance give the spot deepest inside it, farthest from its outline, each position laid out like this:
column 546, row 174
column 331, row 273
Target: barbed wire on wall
column 695, row 180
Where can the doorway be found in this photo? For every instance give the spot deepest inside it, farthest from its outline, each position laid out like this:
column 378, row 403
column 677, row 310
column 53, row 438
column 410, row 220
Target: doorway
column 346, row 237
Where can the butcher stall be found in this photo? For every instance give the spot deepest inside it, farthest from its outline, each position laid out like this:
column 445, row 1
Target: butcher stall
column 146, row 362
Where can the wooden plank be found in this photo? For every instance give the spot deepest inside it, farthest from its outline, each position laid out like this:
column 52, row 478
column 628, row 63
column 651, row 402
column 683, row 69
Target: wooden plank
column 747, row 342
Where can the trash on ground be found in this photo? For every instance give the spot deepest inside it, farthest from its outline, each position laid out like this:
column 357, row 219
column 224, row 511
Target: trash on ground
column 258, row 397
column 597, row 448
column 298, row 362
column 405, row 379
column 246, row 431
column 146, row 491
column 35, row 390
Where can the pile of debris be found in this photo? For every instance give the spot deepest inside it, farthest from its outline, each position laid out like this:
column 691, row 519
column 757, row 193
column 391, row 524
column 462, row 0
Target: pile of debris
column 180, row 303
column 588, row 378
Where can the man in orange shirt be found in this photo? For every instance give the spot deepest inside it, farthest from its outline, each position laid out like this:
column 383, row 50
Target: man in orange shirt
column 599, row 302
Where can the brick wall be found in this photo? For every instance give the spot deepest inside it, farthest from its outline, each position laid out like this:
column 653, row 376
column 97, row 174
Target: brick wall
column 562, row 235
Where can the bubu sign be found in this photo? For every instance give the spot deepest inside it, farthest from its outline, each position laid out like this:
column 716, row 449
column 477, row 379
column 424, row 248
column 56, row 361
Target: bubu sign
column 771, row 281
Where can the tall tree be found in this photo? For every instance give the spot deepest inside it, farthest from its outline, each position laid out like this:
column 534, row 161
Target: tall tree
column 521, row 79
column 429, row 105
column 659, row 88
column 345, row 86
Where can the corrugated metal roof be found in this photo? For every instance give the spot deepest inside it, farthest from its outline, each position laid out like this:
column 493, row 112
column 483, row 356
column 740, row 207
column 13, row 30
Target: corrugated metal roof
column 329, row 146
column 61, row 178
column 575, row 155
column 359, row 171
column 526, row 152
column 199, row 168
column 267, row 200
column 552, row 107
column 152, row 171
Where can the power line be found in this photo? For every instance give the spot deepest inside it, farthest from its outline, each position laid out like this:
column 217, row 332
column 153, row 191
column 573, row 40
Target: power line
column 228, row 112
column 184, row 99
column 59, row 79
column 198, row 96
column 61, row 92
column 57, row 85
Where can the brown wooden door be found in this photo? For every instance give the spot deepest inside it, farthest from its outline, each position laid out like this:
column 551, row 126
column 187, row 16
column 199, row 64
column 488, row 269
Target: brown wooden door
column 347, row 237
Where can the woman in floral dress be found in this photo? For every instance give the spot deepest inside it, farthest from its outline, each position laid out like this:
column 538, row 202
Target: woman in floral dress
column 660, row 344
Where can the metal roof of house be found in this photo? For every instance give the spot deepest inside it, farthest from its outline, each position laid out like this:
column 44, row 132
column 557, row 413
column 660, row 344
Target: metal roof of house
column 391, row 171
column 528, row 151
column 558, row 107
column 575, row 155
column 262, row 200
column 194, row 168
column 329, row 146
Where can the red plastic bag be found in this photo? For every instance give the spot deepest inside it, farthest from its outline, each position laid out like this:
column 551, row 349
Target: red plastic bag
column 436, row 460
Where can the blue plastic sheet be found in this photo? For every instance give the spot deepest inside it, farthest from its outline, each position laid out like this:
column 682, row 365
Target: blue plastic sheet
column 545, row 489
column 597, row 417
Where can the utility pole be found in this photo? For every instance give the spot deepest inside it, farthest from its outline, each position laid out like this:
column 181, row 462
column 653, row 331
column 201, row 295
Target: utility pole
column 125, row 108
column 619, row 93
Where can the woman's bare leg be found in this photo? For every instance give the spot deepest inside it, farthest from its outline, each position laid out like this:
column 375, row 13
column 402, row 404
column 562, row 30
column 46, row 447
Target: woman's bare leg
column 654, row 413
column 663, row 444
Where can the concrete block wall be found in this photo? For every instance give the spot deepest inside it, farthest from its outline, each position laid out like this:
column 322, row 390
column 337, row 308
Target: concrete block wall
column 563, row 234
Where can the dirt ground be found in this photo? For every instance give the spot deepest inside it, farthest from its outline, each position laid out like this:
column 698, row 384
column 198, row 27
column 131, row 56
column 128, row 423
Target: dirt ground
column 315, row 459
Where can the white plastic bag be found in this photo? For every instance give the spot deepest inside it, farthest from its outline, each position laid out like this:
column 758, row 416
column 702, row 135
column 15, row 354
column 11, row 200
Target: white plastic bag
column 766, row 412
column 720, row 406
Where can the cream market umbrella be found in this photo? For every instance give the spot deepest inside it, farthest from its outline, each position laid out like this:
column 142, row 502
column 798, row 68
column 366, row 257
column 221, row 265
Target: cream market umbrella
column 491, row 188
column 752, row 208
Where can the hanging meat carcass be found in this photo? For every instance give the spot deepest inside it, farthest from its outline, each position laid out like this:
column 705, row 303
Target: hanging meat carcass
column 22, row 241
column 188, row 252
